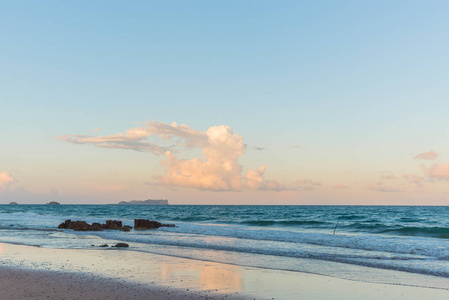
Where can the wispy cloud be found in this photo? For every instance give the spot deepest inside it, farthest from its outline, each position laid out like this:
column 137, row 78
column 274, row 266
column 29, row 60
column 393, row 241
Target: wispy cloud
column 415, row 179
column 259, row 148
column 218, row 168
column 380, row 187
column 340, row 186
column 5, row 179
column 431, row 155
column 307, row 184
column 437, row 172
column 388, row 177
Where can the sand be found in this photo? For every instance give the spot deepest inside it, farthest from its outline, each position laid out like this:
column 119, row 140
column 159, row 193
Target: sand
column 35, row 273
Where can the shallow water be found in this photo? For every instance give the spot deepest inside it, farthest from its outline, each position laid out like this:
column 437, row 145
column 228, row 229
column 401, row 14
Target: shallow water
column 410, row 239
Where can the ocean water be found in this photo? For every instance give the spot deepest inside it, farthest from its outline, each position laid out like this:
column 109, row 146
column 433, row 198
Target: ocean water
column 414, row 240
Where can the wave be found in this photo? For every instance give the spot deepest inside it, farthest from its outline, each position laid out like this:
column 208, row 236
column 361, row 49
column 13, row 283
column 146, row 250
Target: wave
column 350, row 217
column 281, row 223
column 436, row 232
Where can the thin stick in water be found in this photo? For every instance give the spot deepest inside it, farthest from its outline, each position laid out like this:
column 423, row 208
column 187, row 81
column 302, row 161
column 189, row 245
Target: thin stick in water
column 335, row 228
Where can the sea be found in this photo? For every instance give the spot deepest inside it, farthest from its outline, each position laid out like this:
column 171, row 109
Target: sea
column 366, row 243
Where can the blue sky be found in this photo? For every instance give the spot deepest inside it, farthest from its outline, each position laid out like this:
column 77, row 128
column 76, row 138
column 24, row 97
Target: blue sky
column 336, row 92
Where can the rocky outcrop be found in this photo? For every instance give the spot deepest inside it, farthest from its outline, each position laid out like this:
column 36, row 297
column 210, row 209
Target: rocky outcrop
column 139, row 224
column 125, row 228
column 145, row 202
column 142, row 224
column 121, row 245
column 96, row 227
column 77, row 225
column 112, row 225
column 84, row 226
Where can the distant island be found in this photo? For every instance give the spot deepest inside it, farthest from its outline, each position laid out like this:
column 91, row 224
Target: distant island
column 144, row 202
column 53, row 203
column 13, row 203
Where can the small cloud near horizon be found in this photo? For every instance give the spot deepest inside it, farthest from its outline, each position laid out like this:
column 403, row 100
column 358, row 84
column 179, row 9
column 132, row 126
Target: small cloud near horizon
column 431, row 155
column 380, row 187
column 388, row 177
column 340, row 186
column 307, row 184
column 415, row 179
column 437, row 172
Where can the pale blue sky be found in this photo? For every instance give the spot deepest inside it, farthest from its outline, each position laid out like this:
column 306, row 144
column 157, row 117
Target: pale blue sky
column 360, row 86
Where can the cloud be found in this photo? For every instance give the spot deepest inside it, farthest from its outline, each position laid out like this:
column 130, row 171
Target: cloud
column 379, row 187
column 439, row 172
column 307, row 184
column 259, row 148
column 431, row 155
column 255, row 181
column 416, row 179
column 217, row 170
column 388, row 177
column 340, row 186
column 5, row 179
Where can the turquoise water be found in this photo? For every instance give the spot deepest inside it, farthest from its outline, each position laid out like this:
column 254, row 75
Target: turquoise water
column 298, row 238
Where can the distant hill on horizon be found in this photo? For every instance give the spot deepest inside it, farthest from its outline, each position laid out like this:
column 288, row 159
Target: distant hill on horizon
column 145, row 202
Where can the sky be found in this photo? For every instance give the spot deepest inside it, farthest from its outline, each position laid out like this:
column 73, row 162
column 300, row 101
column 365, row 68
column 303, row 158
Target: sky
column 225, row 102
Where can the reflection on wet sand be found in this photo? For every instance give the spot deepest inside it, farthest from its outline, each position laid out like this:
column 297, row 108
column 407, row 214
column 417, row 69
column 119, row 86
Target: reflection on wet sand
column 205, row 277
column 200, row 279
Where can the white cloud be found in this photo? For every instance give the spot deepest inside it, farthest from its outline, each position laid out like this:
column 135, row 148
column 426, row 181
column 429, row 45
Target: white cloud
column 5, row 179
column 255, row 181
column 217, row 170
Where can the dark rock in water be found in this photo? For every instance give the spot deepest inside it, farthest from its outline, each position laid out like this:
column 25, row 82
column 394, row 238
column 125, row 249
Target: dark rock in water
column 81, row 226
column 13, row 203
column 65, row 225
column 104, row 245
column 96, row 227
column 142, row 224
column 125, row 228
column 121, row 245
column 112, row 225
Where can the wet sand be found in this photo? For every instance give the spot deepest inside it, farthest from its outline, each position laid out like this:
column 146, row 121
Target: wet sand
column 36, row 273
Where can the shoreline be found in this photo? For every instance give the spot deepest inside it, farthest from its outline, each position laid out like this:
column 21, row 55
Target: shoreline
column 28, row 271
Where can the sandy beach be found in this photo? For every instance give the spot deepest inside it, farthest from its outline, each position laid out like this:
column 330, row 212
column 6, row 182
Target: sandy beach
column 36, row 273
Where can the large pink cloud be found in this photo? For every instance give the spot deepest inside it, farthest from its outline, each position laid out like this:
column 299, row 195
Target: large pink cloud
column 431, row 155
column 218, row 168
column 5, row 179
